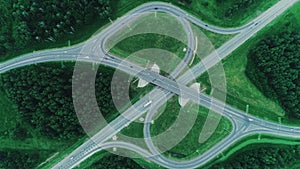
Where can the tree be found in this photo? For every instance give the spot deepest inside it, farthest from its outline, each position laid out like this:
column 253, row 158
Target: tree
column 274, row 67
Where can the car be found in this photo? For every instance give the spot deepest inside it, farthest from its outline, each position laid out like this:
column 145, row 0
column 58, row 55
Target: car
column 155, row 8
column 147, row 103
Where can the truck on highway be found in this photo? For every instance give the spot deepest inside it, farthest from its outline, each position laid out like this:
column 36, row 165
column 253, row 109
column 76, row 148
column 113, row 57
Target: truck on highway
column 148, row 103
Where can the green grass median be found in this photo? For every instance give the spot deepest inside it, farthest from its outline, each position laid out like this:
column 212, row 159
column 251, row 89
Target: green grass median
column 240, row 90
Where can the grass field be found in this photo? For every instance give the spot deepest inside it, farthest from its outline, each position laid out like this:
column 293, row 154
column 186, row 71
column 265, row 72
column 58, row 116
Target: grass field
column 94, row 158
column 234, row 65
column 125, row 47
column 240, row 91
column 207, row 11
column 85, row 32
column 10, row 121
column 249, row 142
column 252, row 142
column 120, row 7
column 211, row 12
column 87, row 164
column 238, row 75
column 147, row 45
column 42, row 143
column 189, row 147
column 32, row 142
column 216, row 39
column 164, row 50
column 63, row 152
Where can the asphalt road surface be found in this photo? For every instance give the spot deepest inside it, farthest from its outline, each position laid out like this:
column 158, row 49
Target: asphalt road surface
column 239, row 121
column 243, row 124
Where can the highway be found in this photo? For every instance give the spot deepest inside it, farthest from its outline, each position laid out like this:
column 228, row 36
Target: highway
column 233, row 136
column 242, row 126
column 210, row 154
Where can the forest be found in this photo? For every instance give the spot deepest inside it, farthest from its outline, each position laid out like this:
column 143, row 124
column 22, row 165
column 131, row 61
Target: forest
column 274, row 67
column 262, row 156
column 25, row 22
column 115, row 161
column 43, row 94
column 11, row 159
column 236, row 7
column 253, row 156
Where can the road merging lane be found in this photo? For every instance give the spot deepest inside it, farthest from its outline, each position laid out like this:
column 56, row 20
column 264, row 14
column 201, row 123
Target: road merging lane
column 237, row 117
